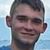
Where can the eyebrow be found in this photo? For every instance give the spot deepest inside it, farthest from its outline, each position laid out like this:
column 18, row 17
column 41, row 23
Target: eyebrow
column 37, row 19
column 21, row 16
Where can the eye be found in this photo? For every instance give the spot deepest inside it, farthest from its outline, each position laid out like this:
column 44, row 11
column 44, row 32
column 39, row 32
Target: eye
column 21, row 18
column 37, row 21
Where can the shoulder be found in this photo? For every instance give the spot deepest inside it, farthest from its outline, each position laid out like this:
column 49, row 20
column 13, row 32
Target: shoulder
column 5, row 48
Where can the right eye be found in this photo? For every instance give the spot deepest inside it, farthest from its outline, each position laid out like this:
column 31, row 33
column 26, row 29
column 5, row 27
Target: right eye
column 22, row 18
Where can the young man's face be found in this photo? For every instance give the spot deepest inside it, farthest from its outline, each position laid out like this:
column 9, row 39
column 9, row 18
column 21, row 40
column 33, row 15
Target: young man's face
column 27, row 24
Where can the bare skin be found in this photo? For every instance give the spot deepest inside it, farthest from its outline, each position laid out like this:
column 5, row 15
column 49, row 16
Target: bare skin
column 26, row 26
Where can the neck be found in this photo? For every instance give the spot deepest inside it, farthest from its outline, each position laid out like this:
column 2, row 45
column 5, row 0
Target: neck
column 17, row 45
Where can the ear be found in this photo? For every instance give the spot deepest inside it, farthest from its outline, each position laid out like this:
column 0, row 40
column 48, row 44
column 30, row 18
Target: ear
column 44, row 27
column 8, row 21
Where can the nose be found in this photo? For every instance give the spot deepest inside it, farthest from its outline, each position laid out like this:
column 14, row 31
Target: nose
column 28, row 27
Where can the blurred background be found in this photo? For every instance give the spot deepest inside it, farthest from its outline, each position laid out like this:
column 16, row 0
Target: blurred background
column 5, row 32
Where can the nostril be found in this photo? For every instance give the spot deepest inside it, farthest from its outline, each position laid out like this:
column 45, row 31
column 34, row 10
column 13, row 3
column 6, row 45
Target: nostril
column 28, row 30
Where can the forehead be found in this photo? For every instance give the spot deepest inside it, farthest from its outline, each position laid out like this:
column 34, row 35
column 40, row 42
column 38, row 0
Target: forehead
column 26, row 10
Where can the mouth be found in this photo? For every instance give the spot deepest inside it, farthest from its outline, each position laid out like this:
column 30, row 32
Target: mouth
column 29, row 34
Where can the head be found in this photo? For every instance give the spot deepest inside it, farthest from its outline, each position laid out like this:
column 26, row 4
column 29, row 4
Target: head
column 26, row 20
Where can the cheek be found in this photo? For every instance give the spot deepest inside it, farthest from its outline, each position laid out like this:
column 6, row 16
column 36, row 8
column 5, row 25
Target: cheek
column 40, row 29
column 17, row 25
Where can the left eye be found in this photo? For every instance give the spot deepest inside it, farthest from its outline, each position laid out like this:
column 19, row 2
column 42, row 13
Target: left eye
column 37, row 21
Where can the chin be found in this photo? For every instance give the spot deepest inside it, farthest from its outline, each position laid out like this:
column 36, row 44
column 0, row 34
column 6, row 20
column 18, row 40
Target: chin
column 29, row 42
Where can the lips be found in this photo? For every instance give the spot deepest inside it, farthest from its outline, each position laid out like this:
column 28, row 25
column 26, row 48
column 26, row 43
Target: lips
column 29, row 34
